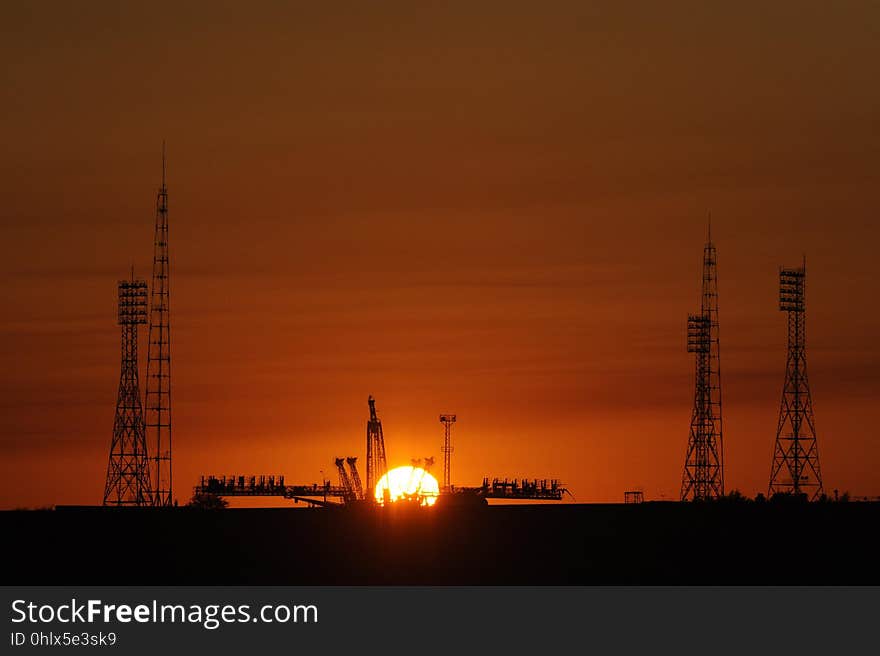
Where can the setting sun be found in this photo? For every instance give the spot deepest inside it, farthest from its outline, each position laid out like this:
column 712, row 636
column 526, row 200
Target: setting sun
column 408, row 482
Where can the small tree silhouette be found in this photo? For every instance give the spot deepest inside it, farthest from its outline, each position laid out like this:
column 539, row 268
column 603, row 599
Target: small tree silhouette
column 735, row 496
column 208, row 501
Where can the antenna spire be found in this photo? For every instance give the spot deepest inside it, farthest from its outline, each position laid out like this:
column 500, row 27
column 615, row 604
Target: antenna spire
column 710, row 227
column 157, row 403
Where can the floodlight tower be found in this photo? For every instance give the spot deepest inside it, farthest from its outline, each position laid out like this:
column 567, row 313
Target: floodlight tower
column 128, row 470
column 795, row 467
column 447, row 421
column 377, row 465
column 158, row 396
column 703, row 476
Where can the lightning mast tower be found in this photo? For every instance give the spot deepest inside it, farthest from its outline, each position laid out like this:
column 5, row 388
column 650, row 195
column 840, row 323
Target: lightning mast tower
column 128, row 470
column 377, row 465
column 447, row 421
column 703, row 476
column 158, row 395
column 795, row 467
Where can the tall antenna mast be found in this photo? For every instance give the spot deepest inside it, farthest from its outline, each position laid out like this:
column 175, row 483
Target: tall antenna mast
column 158, row 395
column 703, row 476
column 795, row 467
column 128, row 469
column 447, row 421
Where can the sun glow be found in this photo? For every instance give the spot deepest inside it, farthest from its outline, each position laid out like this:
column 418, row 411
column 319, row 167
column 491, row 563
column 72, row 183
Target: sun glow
column 408, row 482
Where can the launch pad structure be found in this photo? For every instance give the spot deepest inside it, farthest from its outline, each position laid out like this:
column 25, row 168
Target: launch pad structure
column 317, row 494
column 350, row 492
column 327, row 494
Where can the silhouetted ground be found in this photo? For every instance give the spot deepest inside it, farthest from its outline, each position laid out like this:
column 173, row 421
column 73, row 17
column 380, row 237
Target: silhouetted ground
column 651, row 543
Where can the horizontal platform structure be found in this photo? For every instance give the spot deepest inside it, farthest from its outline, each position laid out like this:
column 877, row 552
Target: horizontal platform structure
column 275, row 486
column 537, row 489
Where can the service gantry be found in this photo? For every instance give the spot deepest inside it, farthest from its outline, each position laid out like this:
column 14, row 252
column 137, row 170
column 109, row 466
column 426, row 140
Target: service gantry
column 377, row 464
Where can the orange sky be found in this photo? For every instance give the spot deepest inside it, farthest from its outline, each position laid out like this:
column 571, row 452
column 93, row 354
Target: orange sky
column 494, row 209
